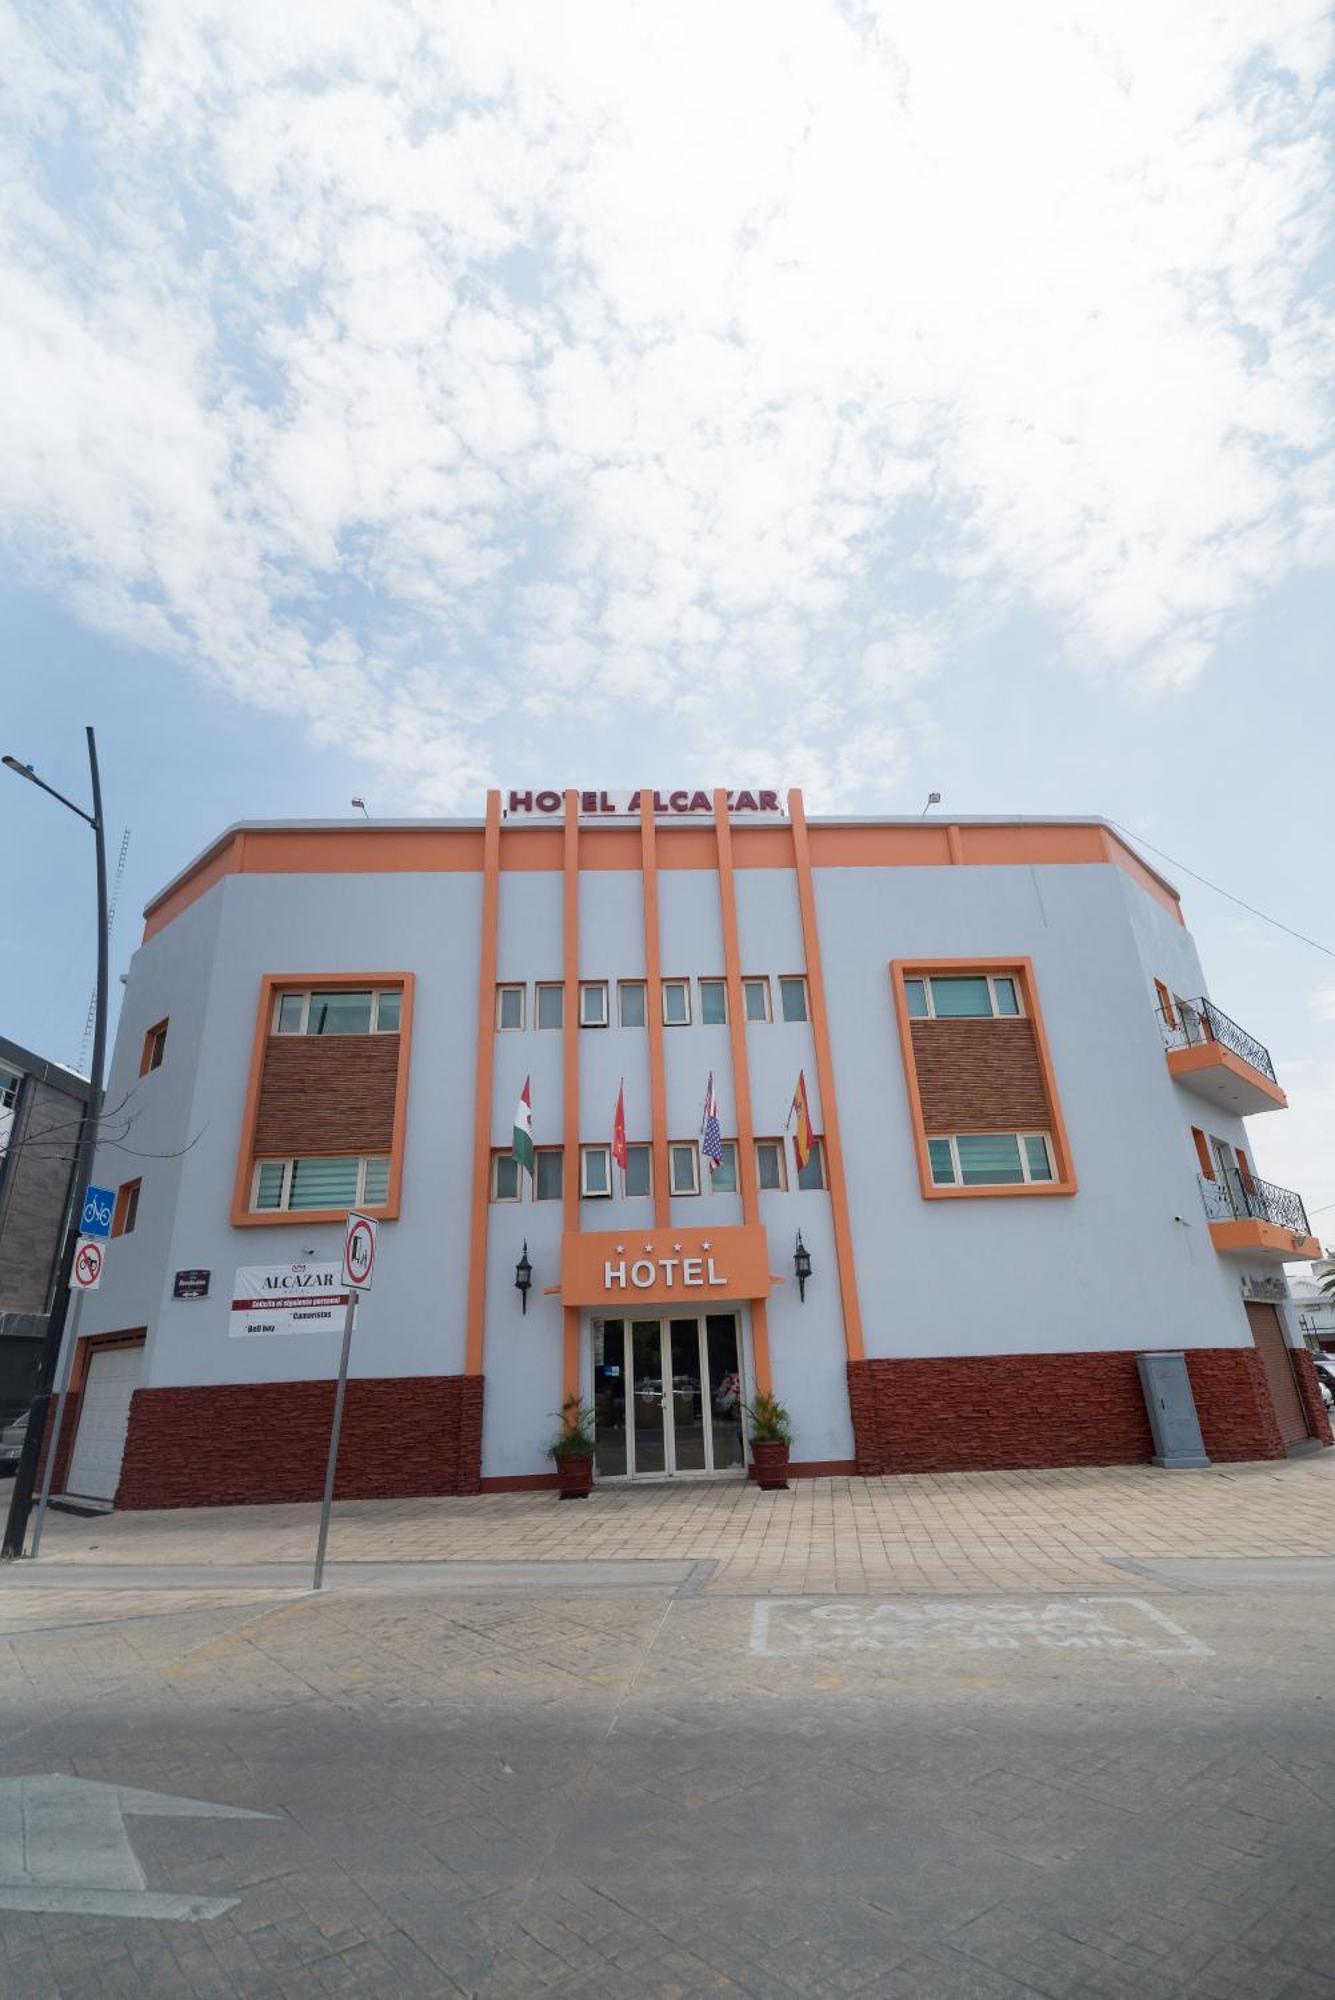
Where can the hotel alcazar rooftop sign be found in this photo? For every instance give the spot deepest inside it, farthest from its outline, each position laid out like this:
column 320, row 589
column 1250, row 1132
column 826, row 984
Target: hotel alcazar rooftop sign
column 626, row 805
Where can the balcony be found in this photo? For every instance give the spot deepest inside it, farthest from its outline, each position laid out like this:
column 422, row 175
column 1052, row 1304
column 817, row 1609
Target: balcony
column 1220, row 1061
column 1256, row 1217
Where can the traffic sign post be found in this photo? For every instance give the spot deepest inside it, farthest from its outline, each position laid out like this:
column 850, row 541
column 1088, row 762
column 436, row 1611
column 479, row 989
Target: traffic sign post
column 99, row 1206
column 71, row 1349
column 359, row 1251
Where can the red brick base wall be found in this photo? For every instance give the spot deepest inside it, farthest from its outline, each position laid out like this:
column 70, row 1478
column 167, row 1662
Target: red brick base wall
column 240, row 1443
column 1014, row 1410
column 1318, row 1420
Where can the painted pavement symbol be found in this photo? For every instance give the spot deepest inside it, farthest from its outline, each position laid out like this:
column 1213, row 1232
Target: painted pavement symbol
column 795, row 1627
column 63, row 1846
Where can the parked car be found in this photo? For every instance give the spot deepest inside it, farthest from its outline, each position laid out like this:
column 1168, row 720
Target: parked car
column 1325, row 1375
column 11, row 1444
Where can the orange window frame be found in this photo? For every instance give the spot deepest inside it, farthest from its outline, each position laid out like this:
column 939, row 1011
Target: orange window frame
column 1021, row 970
column 1203, row 1153
column 125, row 1193
column 243, row 1216
column 1166, row 1007
column 146, row 1062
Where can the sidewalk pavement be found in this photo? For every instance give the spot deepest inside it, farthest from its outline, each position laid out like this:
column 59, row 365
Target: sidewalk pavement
column 1068, row 1529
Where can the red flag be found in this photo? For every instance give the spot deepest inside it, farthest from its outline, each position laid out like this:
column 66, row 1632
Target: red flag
column 619, row 1130
column 802, row 1129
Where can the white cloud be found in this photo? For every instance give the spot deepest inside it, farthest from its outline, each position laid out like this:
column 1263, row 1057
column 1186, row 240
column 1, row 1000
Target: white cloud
column 565, row 361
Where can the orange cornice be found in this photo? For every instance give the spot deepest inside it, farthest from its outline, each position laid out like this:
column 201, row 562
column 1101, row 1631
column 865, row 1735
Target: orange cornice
column 570, row 1073
column 653, row 1003
column 1021, row 969
column 243, row 1215
column 741, row 1073
column 475, row 1325
column 820, row 1032
column 426, row 849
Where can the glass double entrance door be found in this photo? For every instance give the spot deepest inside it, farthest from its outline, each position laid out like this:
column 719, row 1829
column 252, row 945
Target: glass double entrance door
column 667, row 1396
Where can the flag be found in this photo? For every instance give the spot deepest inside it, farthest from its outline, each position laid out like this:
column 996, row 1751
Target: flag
column 711, row 1136
column 802, row 1129
column 619, row 1128
column 523, row 1145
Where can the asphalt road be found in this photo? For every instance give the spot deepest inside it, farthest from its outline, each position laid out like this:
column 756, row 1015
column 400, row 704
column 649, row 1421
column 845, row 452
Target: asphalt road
column 614, row 1782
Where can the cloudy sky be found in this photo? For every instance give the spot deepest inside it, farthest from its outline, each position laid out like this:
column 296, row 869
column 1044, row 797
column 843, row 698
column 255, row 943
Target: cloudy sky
column 403, row 398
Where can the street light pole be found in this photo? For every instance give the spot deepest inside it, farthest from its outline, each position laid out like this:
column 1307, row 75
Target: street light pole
column 25, row 1478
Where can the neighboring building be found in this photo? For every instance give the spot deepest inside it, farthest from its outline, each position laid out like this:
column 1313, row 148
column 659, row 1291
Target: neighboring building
column 1011, row 1074
column 41, row 1111
column 1315, row 1307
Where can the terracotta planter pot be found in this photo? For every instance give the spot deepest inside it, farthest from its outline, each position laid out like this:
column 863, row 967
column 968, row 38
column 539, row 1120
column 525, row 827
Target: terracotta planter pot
column 575, row 1475
column 770, row 1459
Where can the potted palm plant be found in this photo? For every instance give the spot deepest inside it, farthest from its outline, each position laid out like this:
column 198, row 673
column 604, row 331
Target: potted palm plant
column 572, row 1450
column 771, row 1436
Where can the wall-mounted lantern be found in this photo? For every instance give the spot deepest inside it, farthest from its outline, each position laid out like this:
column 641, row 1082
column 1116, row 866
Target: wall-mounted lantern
column 802, row 1267
column 523, row 1276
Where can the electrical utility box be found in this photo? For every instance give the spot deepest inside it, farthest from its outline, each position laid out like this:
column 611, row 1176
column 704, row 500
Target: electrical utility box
column 1172, row 1410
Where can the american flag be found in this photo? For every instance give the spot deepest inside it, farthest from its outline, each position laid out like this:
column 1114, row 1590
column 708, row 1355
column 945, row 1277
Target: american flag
column 711, row 1135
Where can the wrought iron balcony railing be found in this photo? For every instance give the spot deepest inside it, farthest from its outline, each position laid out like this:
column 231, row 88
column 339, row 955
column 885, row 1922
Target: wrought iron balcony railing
column 1200, row 1022
column 1241, row 1198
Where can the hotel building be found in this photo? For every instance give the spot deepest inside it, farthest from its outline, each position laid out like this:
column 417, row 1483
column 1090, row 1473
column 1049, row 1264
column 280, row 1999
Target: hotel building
column 1029, row 1164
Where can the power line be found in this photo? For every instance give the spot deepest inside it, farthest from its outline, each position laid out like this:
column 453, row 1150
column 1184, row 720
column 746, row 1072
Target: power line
column 1228, row 893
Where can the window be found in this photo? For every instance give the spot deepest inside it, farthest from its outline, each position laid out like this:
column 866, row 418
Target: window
column 976, row 996
column 793, row 999
column 507, row 1178
column 155, row 1047
column 812, row 1175
column 771, row 1165
column 684, row 1168
column 341, row 1182
column 676, row 1003
column 593, row 1004
column 630, row 997
column 127, row 1208
column 723, row 1178
column 990, row 1159
column 713, row 1002
column 549, row 1164
column 10, row 1081
column 638, row 1176
column 595, row 1171
column 755, row 999
column 1165, row 1003
column 551, row 1006
column 509, row 1007
column 344, row 1010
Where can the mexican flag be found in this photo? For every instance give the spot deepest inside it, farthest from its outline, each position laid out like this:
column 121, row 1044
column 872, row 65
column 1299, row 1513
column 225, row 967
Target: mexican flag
column 523, row 1145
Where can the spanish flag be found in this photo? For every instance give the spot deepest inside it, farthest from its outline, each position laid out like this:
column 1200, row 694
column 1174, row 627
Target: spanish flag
column 619, row 1128
column 802, row 1128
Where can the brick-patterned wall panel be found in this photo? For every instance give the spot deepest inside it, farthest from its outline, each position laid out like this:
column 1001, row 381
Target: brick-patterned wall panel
column 1318, row 1417
column 980, row 1076
column 327, row 1094
column 235, row 1443
column 1021, row 1410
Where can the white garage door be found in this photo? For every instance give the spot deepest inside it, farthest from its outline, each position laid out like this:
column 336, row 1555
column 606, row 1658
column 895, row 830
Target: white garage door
column 104, row 1415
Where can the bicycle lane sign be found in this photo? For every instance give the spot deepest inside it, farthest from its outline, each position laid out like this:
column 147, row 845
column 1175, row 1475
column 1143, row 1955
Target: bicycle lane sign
column 99, row 1206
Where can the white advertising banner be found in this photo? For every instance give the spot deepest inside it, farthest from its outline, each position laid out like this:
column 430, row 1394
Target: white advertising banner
column 287, row 1298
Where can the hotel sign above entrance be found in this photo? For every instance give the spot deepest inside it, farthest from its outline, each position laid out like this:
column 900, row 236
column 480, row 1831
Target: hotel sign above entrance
column 548, row 804
column 626, row 1267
